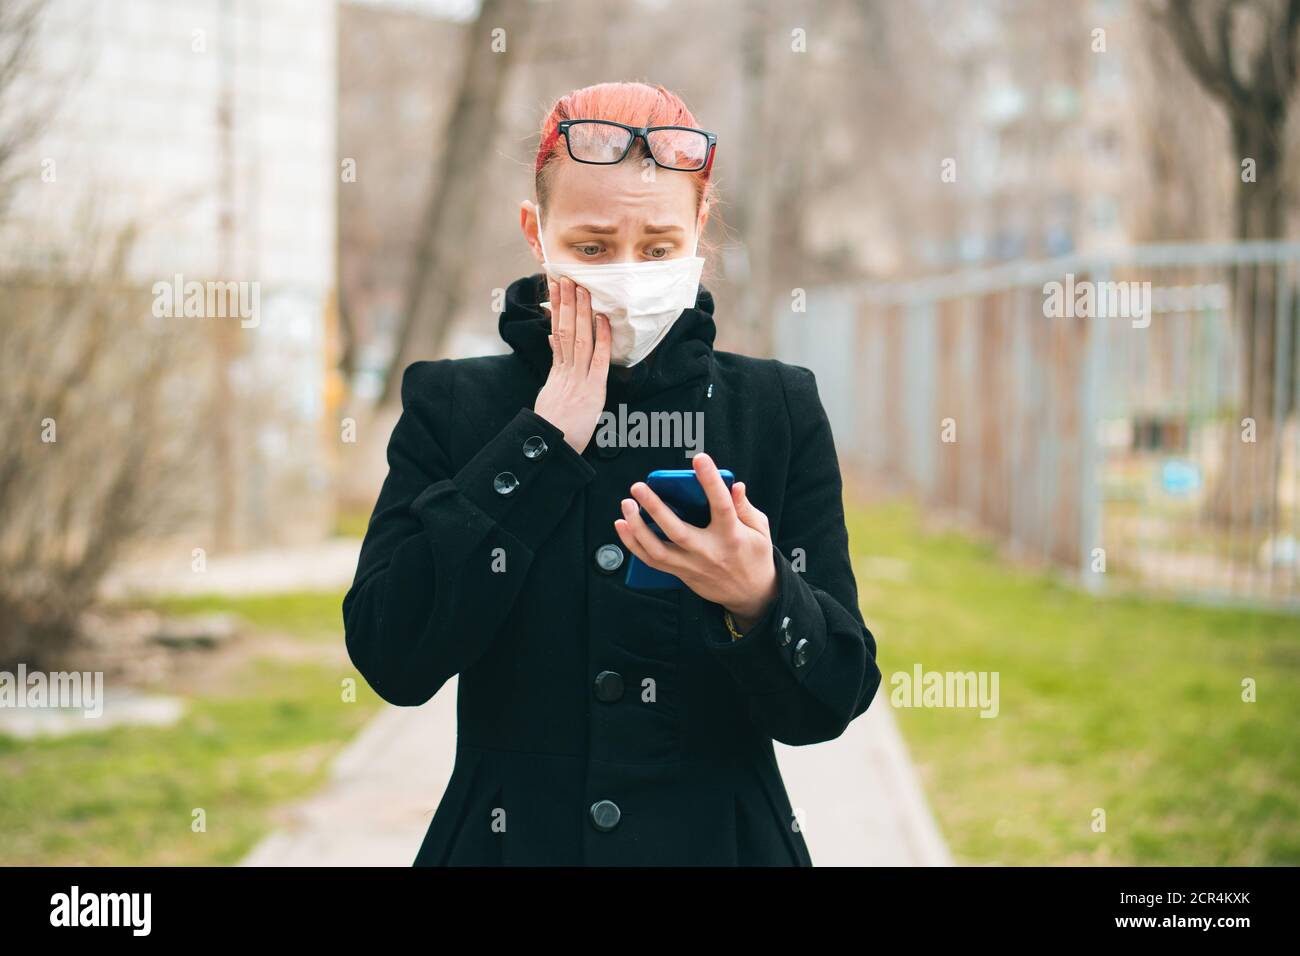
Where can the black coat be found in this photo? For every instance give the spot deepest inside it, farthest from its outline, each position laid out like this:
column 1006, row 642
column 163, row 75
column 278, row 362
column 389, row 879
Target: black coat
column 598, row 724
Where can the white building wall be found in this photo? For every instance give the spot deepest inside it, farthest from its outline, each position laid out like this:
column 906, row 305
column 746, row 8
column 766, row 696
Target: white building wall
column 134, row 133
column 137, row 86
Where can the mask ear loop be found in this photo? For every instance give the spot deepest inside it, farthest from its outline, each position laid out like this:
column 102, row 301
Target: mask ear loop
column 539, row 236
column 545, row 264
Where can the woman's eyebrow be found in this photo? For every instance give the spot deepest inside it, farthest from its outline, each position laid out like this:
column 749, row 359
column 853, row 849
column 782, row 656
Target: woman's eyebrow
column 608, row 230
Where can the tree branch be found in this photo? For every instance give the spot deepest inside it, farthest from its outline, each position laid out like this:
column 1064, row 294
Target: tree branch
column 1216, row 78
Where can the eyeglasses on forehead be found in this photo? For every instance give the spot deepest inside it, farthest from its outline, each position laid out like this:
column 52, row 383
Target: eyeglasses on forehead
column 605, row 142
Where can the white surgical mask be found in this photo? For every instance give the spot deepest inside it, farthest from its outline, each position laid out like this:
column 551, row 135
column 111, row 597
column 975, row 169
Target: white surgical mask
column 642, row 299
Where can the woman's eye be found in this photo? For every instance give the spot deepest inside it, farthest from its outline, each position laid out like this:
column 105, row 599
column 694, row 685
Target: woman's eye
column 589, row 250
column 659, row 252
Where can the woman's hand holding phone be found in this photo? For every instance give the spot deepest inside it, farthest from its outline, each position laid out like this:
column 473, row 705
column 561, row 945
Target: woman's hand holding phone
column 574, row 394
column 729, row 562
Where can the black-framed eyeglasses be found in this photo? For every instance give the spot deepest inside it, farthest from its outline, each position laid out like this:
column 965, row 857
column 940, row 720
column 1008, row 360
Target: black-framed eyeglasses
column 604, row 143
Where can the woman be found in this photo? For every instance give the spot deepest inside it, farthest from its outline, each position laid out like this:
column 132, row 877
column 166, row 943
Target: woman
column 602, row 724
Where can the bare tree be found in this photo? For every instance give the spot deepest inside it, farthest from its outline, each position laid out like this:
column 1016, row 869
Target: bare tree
column 1255, row 88
column 93, row 405
column 445, row 243
column 1243, row 53
column 94, row 414
column 20, row 22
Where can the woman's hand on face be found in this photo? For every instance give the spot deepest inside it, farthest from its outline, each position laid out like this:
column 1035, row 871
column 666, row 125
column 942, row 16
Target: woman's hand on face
column 574, row 394
column 729, row 562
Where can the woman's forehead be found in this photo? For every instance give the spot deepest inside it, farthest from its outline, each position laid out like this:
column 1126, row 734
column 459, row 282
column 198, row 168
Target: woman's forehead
column 621, row 194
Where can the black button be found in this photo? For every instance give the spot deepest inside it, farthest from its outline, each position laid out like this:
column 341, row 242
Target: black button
column 609, row 686
column 505, row 483
column 608, row 451
column 801, row 652
column 785, row 631
column 535, row 447
column 609, row 558
column 605, row 815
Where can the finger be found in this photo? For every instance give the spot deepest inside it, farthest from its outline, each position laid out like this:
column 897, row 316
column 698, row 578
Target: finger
column 745, row 509
column 600, row 353
column 639, row 546
column 553, row 297
column 659, row 553
column 715, row 489
column 583, row 331
column 565, row 334
column 624, row 532
column 678, row 531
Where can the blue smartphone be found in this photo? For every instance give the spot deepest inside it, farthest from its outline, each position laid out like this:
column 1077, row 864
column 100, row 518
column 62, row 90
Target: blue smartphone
column 681, row 491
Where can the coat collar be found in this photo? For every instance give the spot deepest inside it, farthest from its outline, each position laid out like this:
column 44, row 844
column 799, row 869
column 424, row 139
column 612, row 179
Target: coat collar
column 684, row 356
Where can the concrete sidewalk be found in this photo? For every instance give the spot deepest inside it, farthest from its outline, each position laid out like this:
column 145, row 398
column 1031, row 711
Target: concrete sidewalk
column 862, row 804
column 324, row 566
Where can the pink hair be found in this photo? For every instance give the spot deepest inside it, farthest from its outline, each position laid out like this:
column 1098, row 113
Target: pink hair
column 636, row 104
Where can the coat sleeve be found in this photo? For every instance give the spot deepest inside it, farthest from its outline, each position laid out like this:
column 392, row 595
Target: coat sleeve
column 808, row 667
column 445, row 553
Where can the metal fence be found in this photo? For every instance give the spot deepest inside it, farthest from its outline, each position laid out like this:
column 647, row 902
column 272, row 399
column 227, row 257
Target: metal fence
column 1128, row 417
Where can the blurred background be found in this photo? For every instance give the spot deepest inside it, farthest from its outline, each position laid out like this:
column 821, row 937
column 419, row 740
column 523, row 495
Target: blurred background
column 1099, row 505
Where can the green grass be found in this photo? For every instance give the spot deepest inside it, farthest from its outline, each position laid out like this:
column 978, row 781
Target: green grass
column 1131, row 706
column 351, row 523
column 311, row 616
column 260, row 735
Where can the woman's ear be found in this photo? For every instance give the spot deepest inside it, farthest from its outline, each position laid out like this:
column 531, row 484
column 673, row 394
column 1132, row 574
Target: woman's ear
column 528, row 225
column 702, row 221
